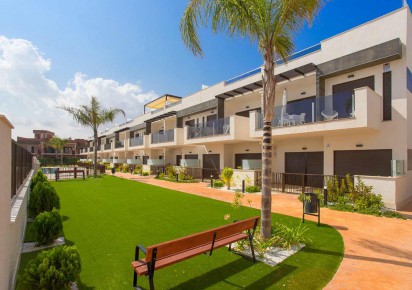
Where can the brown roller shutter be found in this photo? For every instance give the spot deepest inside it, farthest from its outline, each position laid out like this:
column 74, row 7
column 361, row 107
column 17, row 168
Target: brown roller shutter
column 363, row 162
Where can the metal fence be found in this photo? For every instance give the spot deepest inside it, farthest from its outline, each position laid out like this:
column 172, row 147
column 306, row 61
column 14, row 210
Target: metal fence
column 296, row 182
column 21, row 164
column 89, row 166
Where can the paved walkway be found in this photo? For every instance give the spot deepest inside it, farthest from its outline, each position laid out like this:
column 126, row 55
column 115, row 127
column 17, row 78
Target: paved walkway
column 378, row 251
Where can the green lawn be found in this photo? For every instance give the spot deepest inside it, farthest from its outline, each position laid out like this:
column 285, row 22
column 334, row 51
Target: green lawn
column 107, row 217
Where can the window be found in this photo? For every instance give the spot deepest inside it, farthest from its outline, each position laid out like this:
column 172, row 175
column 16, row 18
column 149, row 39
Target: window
column 32, row 149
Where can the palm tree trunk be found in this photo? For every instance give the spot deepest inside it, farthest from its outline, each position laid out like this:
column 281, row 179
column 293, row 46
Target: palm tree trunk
column 95, row 154
column 269, row 84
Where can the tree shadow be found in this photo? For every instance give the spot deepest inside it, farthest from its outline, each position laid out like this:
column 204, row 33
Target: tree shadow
column 220, row 274
column 384, row 248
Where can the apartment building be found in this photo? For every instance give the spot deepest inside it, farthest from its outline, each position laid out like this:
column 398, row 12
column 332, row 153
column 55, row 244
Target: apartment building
column 342, row 107
column 39, row 145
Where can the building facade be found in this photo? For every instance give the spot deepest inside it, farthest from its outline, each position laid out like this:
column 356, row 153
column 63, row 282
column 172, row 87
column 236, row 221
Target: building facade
column 342, row 107
column 39, row 146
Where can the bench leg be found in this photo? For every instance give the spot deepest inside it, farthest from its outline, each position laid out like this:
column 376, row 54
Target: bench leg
column 134, row 279
column 230, row 247
column 251, row 248
column 151, row 283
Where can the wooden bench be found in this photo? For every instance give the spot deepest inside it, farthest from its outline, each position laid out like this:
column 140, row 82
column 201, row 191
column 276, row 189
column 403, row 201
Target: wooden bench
column 171, row 252
column 75, row 171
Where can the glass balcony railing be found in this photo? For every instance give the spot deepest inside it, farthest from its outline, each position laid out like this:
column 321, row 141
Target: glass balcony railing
column 107, row 146
column 119, row 144
column 210, row 128
column 163, row 137
column 91, row 149
column 136, row 141
column 312, row 110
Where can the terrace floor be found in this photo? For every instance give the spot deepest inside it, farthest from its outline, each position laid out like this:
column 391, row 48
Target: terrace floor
column 378, row 251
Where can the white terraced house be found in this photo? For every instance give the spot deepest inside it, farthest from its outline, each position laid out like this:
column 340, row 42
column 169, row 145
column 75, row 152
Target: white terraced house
column 343, row 106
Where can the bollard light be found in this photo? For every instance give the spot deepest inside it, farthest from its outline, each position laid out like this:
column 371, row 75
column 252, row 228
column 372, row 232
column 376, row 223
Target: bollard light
column 211, row 180
column 243, row 186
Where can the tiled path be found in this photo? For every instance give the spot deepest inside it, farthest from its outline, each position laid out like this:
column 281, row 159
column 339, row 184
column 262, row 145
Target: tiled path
column 378, row 251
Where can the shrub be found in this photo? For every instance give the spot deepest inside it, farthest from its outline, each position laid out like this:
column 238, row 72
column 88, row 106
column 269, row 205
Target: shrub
column 369, row 203
column 218, row 183
column 138, row 169
column 43, row 198
column 47, row 227
column 38, row 177
column 161, row 176
column 53, row 269
column 252, row 188
column 286, row 237
column 170, row 172
column 238, row 200
column 227, row 175
column 145, row 173
column 125, row 168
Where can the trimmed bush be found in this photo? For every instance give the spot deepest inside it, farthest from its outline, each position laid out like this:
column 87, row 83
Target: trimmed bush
column 125, row 168
column 38, row 177
column 227, row 175
column 218, row 183
column 53, row 269
column 145, row 173
column 43, row 198
column 47, row 227
column 252, row 189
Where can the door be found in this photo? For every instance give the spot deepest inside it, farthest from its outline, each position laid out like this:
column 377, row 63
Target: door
column 145, row 158
column 363, row 162
column 342, row 95
column 211, row 165
column 310, row 163
column 178, row 159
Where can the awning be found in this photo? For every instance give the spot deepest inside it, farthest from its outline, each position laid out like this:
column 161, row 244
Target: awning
column 162, row 102
column 285, row 76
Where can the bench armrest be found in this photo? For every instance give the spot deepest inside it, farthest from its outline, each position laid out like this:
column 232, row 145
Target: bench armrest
column 142, row 248
column 136, row 253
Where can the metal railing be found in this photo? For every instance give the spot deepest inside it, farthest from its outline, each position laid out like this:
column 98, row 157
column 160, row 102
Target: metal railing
column 21, row 164
column 119, row 144
column 243, row 76
column 136, row 141
column 108, row 146
column 311, row 110
column 210, row 128
column 296, row 182
column 166, row 136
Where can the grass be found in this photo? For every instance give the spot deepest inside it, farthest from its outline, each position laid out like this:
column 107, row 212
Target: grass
column 107, row 217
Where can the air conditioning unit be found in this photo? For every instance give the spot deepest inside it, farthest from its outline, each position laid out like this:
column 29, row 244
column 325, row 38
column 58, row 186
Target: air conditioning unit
column 398, row 168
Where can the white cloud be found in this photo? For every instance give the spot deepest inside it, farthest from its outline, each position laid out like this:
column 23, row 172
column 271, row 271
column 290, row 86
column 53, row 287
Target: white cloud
column 29, row 99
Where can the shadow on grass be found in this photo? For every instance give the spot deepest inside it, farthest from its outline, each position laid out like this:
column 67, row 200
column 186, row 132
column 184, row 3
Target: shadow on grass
column 219, row 275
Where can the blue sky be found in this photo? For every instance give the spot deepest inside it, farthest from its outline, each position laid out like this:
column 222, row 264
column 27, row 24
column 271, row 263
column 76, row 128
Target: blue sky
column 137, row 44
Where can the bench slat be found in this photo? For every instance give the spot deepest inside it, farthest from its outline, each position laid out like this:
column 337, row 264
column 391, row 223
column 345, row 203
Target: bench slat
column 196, row 240
column 140, row 266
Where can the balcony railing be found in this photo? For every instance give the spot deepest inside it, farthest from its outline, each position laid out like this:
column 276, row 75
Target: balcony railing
column 166, row 136
column 312, row 110
column 107, row 146
column 210, row 128
column 21, row 164
column 119, row 144
column 91, row 149
column 136, row 141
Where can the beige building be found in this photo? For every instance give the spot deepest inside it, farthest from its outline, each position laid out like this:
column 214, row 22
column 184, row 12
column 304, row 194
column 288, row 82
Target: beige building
column 342, row 107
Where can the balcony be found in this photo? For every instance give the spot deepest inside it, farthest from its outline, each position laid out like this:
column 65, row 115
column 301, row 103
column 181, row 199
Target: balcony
column 211, row 128
column 173, row 137
column 91, row 149
column 119, row 144
column 136, row 141
column 233, row 128
column 324, row 115
column 107, row 146
column 165, row 137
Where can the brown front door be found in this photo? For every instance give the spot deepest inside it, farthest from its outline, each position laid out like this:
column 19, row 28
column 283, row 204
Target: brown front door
column 211, row 165
column 178, row 159
column 310, row 163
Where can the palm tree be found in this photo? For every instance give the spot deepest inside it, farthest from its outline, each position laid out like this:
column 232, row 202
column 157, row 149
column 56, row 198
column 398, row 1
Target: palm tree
column 269, row 23
column 58, row 144
column 93, row 116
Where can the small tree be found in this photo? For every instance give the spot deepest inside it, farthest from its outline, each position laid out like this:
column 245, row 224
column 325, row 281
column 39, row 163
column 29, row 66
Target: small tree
column 93, row 116
column 53, row 269
column 58, row 144
column 227, row 175
column 47, row 227
column 43, row 198
column 38, row 177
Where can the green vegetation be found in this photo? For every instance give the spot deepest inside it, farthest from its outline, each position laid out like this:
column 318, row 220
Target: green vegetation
column 252, row 189
column 227, row 176
column 47, row 227
column 107, row 217
column 38, row 177
column 176, row 175
column 43, row 198
column 218, row 183
column 53, row 269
